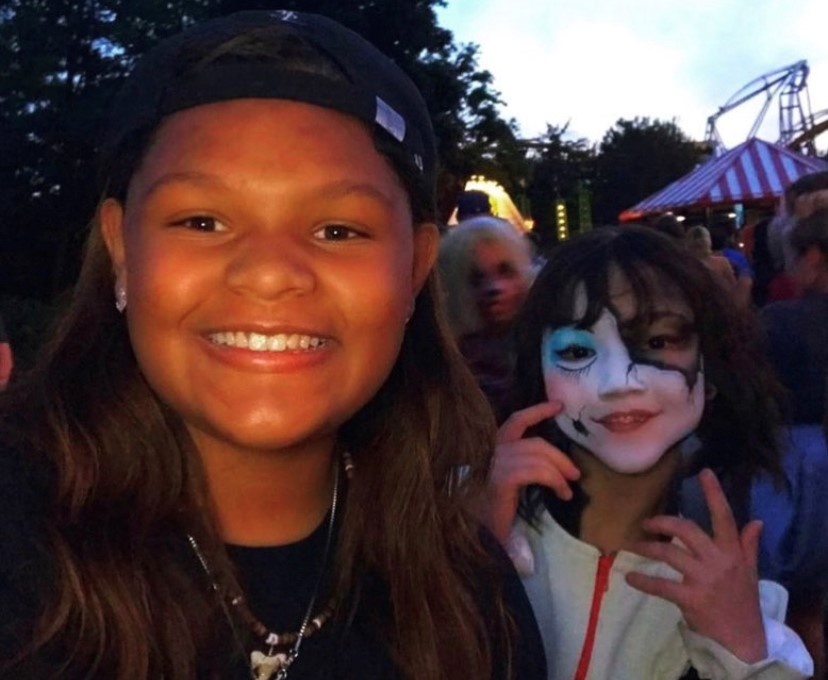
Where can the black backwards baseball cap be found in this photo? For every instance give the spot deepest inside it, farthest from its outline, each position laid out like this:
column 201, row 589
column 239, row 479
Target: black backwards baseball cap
column 174, row 76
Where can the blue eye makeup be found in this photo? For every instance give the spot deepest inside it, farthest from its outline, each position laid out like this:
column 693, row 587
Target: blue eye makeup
column 569, row 349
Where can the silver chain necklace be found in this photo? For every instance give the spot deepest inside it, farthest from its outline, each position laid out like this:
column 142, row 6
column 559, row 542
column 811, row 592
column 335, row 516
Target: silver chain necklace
column 263, row 666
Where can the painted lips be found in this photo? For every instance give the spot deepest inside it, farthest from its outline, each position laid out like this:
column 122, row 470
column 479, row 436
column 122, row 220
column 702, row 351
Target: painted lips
column 626, row 421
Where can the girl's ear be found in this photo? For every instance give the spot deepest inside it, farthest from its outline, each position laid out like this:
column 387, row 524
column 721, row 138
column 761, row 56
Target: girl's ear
column 710, row 391
column 111, row 218
column 426, row 247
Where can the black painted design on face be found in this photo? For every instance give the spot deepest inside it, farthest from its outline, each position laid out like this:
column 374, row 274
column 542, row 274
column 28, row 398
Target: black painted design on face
column 691, row 375
column 579, row 426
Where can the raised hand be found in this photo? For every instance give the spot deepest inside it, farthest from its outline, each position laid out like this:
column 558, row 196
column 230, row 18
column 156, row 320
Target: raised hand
column 519, row 462
column 719, row 590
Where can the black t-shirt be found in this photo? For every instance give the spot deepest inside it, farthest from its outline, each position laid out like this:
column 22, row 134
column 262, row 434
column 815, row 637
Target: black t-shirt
column 278, row 583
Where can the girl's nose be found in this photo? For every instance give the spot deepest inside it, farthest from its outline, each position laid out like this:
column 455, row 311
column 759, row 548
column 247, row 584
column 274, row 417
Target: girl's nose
column 491, row 288
column 271, row 265
column 619, row 375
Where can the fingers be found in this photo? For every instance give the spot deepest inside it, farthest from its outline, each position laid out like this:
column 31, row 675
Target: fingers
column 685, row 530
column 670, row 553
column 721, row 516
column 520, row 421
column 533, row 461
column 749, row 539
column 671, row 591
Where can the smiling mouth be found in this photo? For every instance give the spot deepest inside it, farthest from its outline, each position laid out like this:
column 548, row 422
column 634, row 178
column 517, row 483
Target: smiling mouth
column 626, row 421
column 259, row 342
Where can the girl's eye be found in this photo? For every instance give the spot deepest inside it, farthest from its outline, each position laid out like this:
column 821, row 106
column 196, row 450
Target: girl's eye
column 571, row 350
column 666, row 341
column 336, row 232
column 575, row 359
column 201, row 223
column 575, row 353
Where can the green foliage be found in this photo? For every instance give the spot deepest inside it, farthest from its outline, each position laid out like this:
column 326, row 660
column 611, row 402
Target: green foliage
column 636, row 158
column 61, row 61
column 559, row 168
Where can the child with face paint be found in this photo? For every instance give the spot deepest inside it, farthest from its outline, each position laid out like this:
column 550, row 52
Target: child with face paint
column 625, row 349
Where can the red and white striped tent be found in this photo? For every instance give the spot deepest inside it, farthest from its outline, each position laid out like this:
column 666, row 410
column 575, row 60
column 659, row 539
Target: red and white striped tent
column 756, row 172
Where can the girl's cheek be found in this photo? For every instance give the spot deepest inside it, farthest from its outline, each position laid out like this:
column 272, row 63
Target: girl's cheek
column 561, row 389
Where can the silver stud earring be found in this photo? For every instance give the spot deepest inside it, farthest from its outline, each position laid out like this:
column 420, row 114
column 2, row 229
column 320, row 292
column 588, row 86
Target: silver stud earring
column 120, row 298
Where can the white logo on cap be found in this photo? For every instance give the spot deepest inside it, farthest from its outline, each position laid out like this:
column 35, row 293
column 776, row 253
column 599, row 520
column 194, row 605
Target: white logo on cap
column 389, row 120
column 285, row 15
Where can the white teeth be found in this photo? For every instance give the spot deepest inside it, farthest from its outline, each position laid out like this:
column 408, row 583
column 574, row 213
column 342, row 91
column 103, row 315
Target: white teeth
column 277, row 343
column 258, row 342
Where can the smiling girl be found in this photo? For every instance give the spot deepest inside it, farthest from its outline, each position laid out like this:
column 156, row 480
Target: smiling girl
column 625, row 349
column 237, row 457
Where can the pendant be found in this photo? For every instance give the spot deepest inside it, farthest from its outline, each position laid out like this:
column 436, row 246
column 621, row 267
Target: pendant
column 263, row 666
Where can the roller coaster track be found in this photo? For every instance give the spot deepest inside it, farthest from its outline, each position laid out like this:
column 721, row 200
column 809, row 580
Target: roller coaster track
column 797, row 127
column 818, row 125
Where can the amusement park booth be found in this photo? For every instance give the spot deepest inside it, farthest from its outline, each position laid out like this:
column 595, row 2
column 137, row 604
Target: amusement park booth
column 749, row 177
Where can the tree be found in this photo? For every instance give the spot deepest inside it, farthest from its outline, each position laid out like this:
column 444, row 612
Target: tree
column 561, row 168
column 636, row 158
column 62, row 60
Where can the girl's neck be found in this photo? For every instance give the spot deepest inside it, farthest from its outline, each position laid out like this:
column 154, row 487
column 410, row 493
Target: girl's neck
column 619, row 503
column 266, row 498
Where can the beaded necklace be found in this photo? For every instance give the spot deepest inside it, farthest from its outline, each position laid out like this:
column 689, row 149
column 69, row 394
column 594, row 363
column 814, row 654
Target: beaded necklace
column 282, row 648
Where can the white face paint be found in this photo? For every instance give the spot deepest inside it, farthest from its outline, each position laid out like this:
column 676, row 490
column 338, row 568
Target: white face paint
column 630, row 392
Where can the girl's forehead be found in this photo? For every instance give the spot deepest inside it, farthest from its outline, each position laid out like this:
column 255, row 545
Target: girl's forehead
column 662, row 295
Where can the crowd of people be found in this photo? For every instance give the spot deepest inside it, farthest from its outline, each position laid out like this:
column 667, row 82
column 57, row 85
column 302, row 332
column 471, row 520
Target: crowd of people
column 289, row 426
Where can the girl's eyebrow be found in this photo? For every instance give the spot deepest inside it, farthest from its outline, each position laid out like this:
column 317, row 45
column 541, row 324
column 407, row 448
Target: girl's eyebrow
column 332, row 190
column 188, row 177
column 655, row 315
column 658, row 315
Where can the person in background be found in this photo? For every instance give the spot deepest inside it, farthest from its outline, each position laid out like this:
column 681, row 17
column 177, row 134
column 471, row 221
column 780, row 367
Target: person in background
column 699, row 244
column 796, row 333
column 238, row 455
column 626, row 347
column 723, row 240
column 473, row 203
column 766, row 267
column 486, row 268
column 797, row 330
column 6, row 357
column 802, row 197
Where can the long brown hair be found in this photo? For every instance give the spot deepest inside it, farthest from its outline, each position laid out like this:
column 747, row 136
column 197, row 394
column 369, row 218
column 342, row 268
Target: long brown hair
column 124, row 485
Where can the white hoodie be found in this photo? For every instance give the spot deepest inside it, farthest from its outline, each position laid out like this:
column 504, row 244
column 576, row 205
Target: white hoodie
column 596, row 627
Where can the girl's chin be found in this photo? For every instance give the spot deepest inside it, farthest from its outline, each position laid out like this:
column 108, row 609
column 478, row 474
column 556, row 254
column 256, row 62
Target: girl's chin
column 632, row 462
